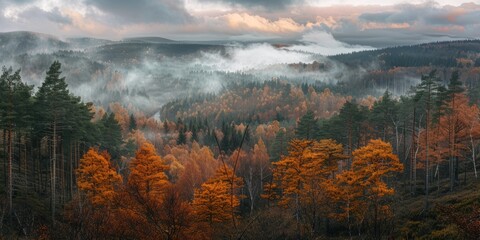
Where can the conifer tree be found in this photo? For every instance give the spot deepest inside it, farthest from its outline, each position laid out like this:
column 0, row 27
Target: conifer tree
column 147, row 173
column 307, row 126
column 97, row 178
column 52, row 105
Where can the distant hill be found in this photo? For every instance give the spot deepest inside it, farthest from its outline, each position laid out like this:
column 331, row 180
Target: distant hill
column 16, row 43
column 85, row 42
column 125, row 52
column 436, row 54
column 148, row 40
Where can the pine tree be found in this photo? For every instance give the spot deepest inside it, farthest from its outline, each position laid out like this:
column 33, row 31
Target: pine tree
column 426, row 95
column 307, row 126
column 132, row 123
column 182, row 137
column 384, row 117
column 111, row 136
column 53, row 101
column 15, row 116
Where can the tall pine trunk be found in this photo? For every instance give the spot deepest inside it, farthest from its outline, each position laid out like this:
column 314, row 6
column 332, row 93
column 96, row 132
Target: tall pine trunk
column 413, row 162
column 53, row 171
column 10, row 172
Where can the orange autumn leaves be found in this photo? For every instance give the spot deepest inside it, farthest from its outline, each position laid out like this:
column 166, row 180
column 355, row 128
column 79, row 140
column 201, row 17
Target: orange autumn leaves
column 97, row 178
column 312, row 181
column 147, row 173
column 453, row 133
column 309, row 182
column 148, row 205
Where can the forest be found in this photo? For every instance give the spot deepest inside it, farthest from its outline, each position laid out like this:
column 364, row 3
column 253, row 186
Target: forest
column 259, row 160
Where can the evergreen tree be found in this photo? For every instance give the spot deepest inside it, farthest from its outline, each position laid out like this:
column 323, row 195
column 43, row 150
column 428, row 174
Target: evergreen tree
column 384, row 116
column 194, row 133
column 111, row 134
column 132, row 123
column 307, row 126
column 182, row 137
column 426, row 95
column 52, row 105
column 165, row 126
column 15, row 118
column 349, row 122
column 279, row 148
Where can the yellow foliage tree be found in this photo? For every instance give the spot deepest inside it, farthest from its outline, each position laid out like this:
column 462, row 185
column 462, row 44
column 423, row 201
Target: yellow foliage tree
column 214, row 201
column 303, row 176
column 372, row 165
column 147, row 172
column 97, row 178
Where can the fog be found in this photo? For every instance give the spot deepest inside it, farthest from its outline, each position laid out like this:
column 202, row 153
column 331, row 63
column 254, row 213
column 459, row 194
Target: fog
column 323, row 43
column 142, row 76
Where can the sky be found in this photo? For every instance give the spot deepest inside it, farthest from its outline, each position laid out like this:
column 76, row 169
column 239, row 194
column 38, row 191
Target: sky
column 375, row 23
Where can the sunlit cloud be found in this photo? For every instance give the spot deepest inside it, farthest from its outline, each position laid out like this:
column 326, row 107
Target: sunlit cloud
column 257, row 23
column 354, row 22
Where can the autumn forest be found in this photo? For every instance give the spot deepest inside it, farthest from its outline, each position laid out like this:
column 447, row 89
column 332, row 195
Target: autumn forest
column 259, row 160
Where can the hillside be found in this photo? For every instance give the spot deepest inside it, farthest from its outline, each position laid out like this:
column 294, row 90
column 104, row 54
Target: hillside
column 438, row 54
column 16, row 43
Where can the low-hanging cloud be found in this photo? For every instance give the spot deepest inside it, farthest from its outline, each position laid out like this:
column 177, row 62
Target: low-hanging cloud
column 321, row 42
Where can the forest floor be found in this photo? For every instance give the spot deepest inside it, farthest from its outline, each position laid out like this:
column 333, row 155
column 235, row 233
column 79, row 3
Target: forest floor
column 414, row 223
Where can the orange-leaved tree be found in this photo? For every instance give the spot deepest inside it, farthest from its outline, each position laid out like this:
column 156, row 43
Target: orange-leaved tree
column 303, row 179
column 90, row 213
column 213, row 201
column 143, row 202
column 374, row 164
column 346, row 193
column 97, row 178
column 147, row 173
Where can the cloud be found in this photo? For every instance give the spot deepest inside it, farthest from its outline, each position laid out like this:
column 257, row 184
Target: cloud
column 252, row 57
column 320, row 42
column 57, row 16
column 266, row 4
column 143, row 11
column 411, row 24
column 245, row 21
column 355, row 24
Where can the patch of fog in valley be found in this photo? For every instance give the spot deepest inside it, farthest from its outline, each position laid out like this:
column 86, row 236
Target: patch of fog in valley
column 151, row 80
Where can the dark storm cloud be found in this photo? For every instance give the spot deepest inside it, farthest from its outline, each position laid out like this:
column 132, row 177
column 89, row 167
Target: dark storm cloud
column 267, row 4
column 144, row 11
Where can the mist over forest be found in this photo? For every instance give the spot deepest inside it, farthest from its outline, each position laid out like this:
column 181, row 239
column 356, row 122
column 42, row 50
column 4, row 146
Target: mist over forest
column 148, row 72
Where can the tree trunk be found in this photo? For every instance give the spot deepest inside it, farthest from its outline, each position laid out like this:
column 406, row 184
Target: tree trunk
column 473, row 155
column 427, row 166
column 5, row 152
column 413, row 162
column 70, row 178
column 53, row 171
column 10, row 172
column 62, row 172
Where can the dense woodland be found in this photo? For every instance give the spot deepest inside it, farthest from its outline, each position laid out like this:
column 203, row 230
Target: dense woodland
column 271, row 160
